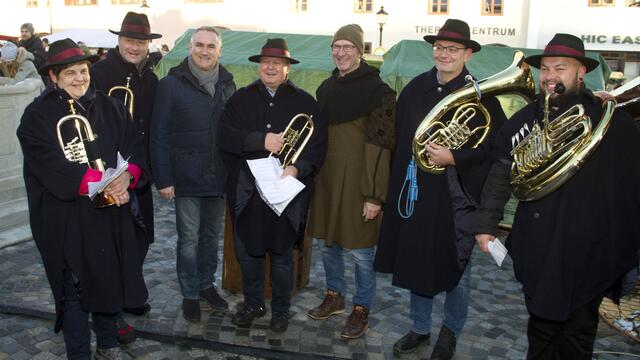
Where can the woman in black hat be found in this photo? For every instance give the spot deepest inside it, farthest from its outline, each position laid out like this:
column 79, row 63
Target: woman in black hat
column 90, row 266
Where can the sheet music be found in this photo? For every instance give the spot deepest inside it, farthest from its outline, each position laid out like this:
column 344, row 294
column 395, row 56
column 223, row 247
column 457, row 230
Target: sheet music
column 275, row 191
column 109, row 175
column 497, row 251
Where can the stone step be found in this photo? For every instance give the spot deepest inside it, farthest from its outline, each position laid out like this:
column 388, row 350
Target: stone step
column 12, row 188
column 14, row 213
column 15, row 235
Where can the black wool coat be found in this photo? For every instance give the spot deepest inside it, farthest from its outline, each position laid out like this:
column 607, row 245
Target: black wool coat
column 94, row 243
column 575, row 243
column 428, row 252
column 249, row 115
column 35, row 46
column 183, row 138
column 113, row 71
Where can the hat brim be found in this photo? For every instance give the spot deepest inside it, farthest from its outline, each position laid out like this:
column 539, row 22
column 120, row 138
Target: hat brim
column 44, row 69
column 589, row 63
column 137, row 36
column 474, row 46
column 256, row 58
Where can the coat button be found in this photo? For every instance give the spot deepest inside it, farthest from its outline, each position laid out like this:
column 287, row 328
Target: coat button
column 268, row 126
column 536, row 215
column 270, row 104
column 439, row 89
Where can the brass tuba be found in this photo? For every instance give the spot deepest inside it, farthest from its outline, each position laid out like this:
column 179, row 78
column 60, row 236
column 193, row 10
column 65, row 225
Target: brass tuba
column 516, row 79
column 128, row 95
column 296, row 136
column 76, row 149
column 550, row 155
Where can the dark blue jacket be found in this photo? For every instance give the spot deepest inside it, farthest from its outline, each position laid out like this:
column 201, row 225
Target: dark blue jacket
column 185, row 123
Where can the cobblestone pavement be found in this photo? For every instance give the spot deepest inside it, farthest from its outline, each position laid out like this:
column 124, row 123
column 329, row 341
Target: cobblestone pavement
column 495, row 328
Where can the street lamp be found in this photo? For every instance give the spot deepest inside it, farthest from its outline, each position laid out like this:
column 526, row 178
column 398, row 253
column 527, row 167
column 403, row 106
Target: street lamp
column 144, row 5
column 381, row 16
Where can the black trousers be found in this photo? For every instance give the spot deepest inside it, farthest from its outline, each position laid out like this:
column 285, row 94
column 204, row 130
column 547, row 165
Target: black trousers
column 569, row 339
column 281, row 272
column 75, row 324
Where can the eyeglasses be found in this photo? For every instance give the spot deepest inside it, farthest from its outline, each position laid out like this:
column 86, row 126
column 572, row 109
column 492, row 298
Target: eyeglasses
column 451, row 50
column 347, row 48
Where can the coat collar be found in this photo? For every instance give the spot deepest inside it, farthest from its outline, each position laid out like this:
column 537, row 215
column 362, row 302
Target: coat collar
column 182, row 71
column 288, row 85
column 431, row 80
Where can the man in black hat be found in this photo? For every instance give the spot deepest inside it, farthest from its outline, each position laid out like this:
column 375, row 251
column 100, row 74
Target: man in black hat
column 187, row 166
column 128, row 65
column 572, row 246
column 251, row 128
column 424, row 239
column 91, row 264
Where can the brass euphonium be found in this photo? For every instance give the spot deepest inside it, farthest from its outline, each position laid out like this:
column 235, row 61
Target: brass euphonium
column 83, row 149
column 128, row 95
column 552, row 153
column 516, row 79
column 296, row 136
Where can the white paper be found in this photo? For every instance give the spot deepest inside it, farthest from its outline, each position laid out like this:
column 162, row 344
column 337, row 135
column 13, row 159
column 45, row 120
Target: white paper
column 497, row 251
column 109, row 175
column 275, row 191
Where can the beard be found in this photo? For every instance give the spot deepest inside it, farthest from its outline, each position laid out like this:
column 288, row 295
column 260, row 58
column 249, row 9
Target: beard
column 572, row 88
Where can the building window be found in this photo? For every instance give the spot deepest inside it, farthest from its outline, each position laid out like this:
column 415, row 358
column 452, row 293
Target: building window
column 203, row 1
column 491, row 7
column 602, row 2
column 32, row 3
column 126, row 2
column 367, row 47
column 439, row 7
column 80, row 2
column 299, row 6
column 363, row 6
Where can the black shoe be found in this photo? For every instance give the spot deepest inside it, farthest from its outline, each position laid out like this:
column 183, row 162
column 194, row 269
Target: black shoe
column 246, row 314
column 445, row 346
column 126, row 332
column 279, row 321
column 410, row 341
column 210, row 295
column 138, row 311
column 191, row 310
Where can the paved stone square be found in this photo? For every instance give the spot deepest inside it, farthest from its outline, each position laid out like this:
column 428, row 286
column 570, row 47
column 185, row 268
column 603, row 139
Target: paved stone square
column 496, row 327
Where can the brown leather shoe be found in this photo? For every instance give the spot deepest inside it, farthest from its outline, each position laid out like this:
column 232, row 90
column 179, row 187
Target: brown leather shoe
column 357, row 323
column 332, row 304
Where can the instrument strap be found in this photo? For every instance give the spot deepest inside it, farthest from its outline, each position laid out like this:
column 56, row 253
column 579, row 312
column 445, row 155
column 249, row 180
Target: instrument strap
column 412, row 191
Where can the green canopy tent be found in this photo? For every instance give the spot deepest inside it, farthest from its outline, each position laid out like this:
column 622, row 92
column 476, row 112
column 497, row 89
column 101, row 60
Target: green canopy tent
column 313, row 52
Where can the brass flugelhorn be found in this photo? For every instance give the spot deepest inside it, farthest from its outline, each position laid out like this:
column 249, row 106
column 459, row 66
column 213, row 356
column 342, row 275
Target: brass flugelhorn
column 83, row 149
column 515, row 79
column 551, row 154
column 296, row 136
column 128, row 95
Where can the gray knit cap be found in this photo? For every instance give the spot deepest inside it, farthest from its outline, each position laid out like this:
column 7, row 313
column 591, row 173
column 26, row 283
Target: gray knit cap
column 28, row 26
column 352, row 33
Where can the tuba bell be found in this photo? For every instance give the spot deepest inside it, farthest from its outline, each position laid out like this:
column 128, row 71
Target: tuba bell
column 552, row 153
column 128, row 95
column 83, row 149
column 296, row 136
column 516, row 79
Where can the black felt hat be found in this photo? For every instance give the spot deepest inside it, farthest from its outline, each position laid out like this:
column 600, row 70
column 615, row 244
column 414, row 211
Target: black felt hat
column 276, row 48
column 564, row 45
column 136, row 26
column 63, row 52
column 457, row 31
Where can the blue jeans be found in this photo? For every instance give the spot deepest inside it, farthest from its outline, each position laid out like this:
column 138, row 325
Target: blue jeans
column 281, row 272
column 199, row 221
column 333, row 260
column 75, row 324
column 456, row 306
